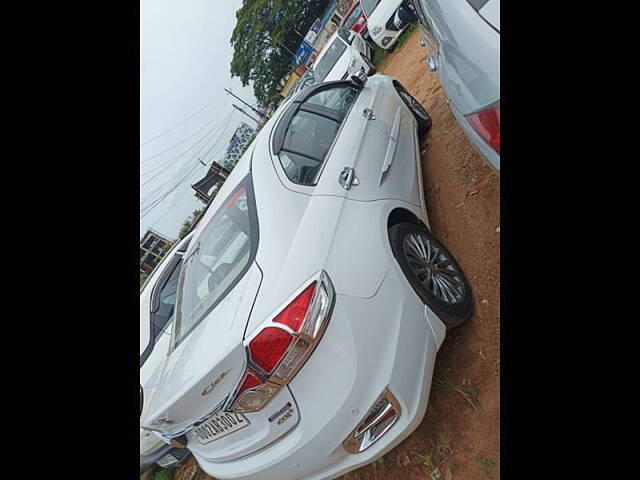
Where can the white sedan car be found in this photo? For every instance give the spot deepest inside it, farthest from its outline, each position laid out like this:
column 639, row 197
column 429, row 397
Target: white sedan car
column 345, row 54
column 463, row 39
column 313, row 297
column 157, row 303
column 387, row 19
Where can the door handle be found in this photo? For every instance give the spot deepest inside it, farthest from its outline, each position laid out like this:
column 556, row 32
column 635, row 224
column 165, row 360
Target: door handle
column 368, row 114
column 348, row 178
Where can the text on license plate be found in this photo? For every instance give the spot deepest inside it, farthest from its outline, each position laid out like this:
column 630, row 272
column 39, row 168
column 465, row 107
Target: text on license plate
column 219, row 425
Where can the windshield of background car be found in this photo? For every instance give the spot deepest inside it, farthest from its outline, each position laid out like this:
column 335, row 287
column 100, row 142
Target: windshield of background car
column 326, row 63
column 216, row 264
column 369, row 6
column 346, row 35
column 348, row 23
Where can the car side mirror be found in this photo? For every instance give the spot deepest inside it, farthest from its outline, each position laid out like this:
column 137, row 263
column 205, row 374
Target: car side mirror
column 359, row 79
column 141, row 400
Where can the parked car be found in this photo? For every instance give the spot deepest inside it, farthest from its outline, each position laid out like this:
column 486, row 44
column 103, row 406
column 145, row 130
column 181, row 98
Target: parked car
column 355, row 20
column 157, row 303
column 344, row 54
column 313, row 297
column 387, row 19
column 463, row 39
column 306, row 81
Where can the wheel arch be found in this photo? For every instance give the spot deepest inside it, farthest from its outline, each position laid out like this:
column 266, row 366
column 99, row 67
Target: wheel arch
column 401, row 215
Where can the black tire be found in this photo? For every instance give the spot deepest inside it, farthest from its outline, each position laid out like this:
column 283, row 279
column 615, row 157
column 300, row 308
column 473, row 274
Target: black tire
column 372, row 68
column 459, row 304
column 419, row 112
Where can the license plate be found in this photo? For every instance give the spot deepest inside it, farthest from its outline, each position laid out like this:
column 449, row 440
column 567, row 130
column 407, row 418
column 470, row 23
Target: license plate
column 167, row 460
column 219, row 425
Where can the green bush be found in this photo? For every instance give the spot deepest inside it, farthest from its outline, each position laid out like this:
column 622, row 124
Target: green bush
column 163, row 474
column 379, row 54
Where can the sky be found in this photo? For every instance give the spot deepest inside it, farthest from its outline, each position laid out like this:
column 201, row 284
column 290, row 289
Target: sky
column 185, row 56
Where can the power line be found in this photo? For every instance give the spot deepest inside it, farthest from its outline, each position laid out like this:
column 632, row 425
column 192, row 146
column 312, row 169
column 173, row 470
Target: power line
column 229, row 118
column 145, row 160
column 171, row 207
column 182, row 122
column 202, row 147
column 181, row 169
column 168, row 163
column 154, row 203
column 241, row 110
column 252, row 108
column 159, row 200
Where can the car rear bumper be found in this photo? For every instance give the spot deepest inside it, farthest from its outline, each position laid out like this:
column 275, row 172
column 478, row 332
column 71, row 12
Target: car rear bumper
column 489, row 154
column 387, row 341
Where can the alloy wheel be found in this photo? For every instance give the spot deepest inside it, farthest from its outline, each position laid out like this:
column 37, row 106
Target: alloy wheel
column 434, row 268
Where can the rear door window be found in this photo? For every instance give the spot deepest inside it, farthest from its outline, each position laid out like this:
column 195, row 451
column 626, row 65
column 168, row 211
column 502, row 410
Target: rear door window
column 312, row 130
column 310, row 134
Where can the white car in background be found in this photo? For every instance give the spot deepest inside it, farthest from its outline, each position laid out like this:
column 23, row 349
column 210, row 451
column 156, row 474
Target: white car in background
column 344, row 54
column 463, row 38
column 312, row 298
column 157, row 302
column 387, row 19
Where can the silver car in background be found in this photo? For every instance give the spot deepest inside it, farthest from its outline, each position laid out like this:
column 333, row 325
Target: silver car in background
column 463, row 38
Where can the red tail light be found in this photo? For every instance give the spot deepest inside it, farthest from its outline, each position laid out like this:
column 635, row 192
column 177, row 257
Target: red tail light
column 269, row 346
column 486, row 123
column 276, row 354
column 249, row 382
column 293, row 315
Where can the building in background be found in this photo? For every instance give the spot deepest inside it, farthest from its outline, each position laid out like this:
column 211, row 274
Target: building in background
column 328, row 23
column 317, row 36
column 239, row 142
column 152, row 248
column 207, row 187
column 215, row 177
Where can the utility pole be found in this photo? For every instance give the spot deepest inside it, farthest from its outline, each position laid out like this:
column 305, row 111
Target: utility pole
column 262, row 115
column 238, row 108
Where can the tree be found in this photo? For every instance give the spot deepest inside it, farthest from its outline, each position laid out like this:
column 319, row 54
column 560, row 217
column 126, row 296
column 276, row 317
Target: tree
column 188, row 223
column 265, row 39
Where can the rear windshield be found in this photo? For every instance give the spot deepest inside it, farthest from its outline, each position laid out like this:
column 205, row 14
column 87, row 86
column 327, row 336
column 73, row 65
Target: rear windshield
column 369, row 6
column 326, row 63
column 217, row 262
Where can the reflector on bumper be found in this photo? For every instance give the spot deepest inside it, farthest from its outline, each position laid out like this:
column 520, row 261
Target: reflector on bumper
column 378, row 420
